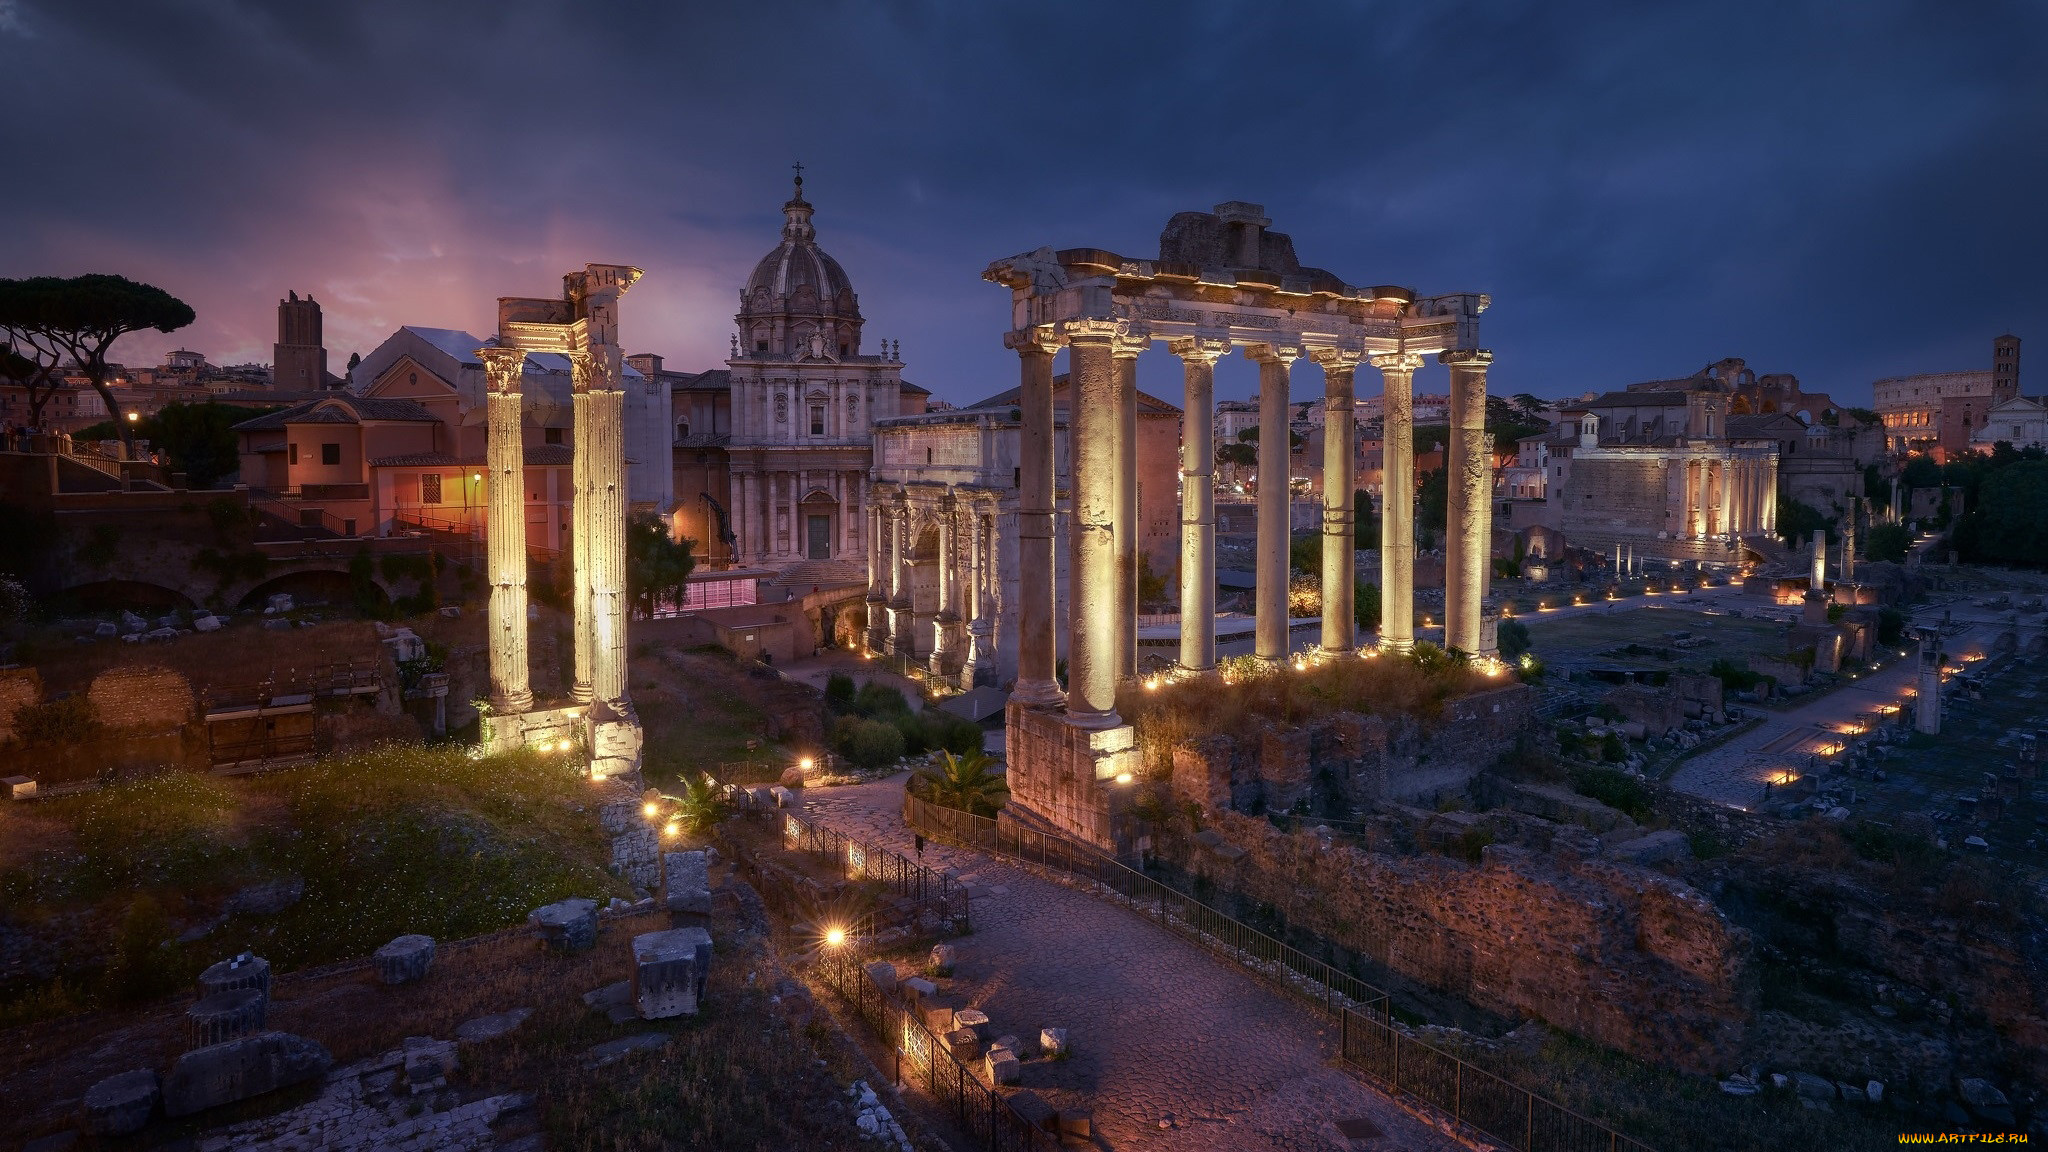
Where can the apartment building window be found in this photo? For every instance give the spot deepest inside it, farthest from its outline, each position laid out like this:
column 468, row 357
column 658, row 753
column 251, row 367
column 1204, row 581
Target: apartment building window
column 551, row 436
column 294, row 453
column 817, row 419
column 330, row 454
column 430, row 488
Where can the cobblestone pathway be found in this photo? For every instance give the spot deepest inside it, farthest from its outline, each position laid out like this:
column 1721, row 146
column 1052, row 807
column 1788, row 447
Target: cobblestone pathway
column 1173, row 1049
column 1734, row 773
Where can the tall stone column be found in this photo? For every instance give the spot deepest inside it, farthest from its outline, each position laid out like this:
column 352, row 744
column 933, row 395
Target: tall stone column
column 981, row 545
column 1467, row 551
column 1340, row 513
column 505, row 529
column 1198, row 502
column 1125, row 353
column 607, row 569
column 1036, row 642
column 1706, row 499
column 902, row 634
column 878, row 583
column 581, row 630
column 1276, row 363
column 1397, row 500
column 1770, row 495
column 1091, row 552
column 947, row 640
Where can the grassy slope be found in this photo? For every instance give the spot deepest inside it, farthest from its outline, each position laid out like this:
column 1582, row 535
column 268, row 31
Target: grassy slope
column 399, row 839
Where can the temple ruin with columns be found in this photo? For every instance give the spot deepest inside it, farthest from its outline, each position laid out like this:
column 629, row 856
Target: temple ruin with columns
column 582, row 325
column 1222, row 281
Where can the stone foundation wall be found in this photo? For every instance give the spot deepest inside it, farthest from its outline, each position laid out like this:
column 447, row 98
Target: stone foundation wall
column 1368, row 758
column 1066, row 776
column 1620, row 955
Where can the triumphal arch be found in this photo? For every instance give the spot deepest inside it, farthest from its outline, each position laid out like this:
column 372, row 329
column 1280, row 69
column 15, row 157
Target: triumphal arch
column 583, row 327
column 1222, row 281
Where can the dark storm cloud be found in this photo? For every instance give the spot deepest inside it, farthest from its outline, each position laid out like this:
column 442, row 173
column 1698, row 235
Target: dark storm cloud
column 1839, row 190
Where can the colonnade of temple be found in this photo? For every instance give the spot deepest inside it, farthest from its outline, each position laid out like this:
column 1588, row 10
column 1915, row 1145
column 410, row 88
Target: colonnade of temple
column 948, row 620
column 1103, row 527
column 583, row 328
column 771, row 508
column 1729, row 495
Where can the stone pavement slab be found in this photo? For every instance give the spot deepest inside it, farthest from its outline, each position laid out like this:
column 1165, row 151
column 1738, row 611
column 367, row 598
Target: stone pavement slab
column 1173, row 1049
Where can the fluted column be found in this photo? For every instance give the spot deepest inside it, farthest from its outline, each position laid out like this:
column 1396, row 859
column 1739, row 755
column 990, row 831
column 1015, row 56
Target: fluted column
column 581, row 631
column 1397, row 500
column 981, row 545
column 1770, row 494
column 1125, row 353
column 1340, row 513
column 505, row 529
column 1036, row 642
column 1092, row 420
column 1466, row 549
column 1198, row 502
column 607, row 570
column 1276, row 363
column 946, row 637
column 1706, row 498
column 878, row 587
column 902, row 634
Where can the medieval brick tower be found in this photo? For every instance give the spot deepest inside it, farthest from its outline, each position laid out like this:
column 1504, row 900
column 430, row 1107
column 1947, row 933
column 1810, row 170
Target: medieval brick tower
column 2005, row 368
column 299, row 359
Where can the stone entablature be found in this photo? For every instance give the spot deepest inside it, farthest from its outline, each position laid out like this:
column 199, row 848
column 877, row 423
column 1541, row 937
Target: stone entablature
column 1222, row 282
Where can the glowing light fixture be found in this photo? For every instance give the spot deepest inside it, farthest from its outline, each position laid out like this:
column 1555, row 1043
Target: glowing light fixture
column 647, row 809
column 672, row 829
column 835, row 937
column 1123, row 777
column 804, row 765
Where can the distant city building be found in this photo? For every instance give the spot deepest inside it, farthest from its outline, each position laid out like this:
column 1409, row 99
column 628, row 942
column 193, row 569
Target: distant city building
column 1233, row 417
column 2021, row 422
column 299, row 358
column 1939, row 413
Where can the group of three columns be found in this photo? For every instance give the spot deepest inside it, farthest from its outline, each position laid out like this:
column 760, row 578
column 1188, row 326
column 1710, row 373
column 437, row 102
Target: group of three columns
column 1103, row 538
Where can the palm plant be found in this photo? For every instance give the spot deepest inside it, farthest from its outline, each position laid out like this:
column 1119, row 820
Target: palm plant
column 700, row 807
column 964, row 782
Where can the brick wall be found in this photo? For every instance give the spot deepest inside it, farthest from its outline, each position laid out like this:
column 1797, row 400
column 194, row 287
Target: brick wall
column 141, row 699
column 19, row 688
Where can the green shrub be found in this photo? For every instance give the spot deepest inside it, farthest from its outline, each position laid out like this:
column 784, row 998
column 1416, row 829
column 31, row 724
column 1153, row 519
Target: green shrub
column 70, row 720
column 1733, row 676
column 1513, row 637
column 839, row 693
column 878, row 699
column 875, row 744
column 1617, row 790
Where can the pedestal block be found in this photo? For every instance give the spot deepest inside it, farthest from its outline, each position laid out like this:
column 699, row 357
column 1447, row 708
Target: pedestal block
column 1065, row 776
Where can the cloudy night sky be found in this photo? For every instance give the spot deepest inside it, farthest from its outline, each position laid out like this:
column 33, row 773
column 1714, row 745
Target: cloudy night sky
column 1841, row 190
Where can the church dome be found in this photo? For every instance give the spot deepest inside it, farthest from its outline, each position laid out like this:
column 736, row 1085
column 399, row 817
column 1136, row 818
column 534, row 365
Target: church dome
column 797, row 290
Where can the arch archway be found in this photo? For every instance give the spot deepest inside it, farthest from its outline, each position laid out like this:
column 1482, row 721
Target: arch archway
column 318, row 586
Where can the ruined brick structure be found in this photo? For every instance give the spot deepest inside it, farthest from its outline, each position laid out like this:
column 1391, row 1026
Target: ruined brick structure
column 1617, row 954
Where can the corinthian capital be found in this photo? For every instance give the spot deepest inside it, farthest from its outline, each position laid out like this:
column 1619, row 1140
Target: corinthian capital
column 1273, row 353
column 1038, row 339
column 1091, row 328
column 1468, row 358
column 1395, row 361
column 1336, row 359
column 1206, row 349
column 582, row 371
column 502, row 368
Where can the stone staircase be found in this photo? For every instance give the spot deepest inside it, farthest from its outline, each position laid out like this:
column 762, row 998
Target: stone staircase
column 822, row 574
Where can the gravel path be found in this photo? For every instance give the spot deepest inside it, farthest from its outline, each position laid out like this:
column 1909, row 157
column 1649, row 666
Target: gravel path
column 1173, row 1048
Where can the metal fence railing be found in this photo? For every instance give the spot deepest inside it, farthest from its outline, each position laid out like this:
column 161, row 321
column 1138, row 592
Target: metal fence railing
column 1371, row 1042
column 857, row 859
column 922, row 1061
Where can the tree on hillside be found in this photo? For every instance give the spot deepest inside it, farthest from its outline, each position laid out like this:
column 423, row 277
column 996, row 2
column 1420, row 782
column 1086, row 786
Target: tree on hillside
column 34, row 373
column 1433, row 501
column 2009, row 525
column 83, row 316
column 198, row 439
column 656, row 565
column 1797, row 522
column 1888, row 542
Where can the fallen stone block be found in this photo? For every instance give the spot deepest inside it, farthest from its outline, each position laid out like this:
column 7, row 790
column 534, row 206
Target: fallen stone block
column 241, row 1068
column 973, row 1019
column 278, row 625
column 1812, row 1087
column 615, row 1001
column 121, row 1104
column 405, row 959
column 1076, row 1122
column 1052, row 1041
column 919, row 988
column 428, row 1062
column 613, row 1051
column 963, row 1045
column 1008, row 1041
column 1874, row 1091
column 106, row 628
column 784, row 798
column 19, row 787
column 225, row 1015
column 689, row 908
column 493, row 1026
column 667, row 979
column 281, row 602
column 566, row 925
column 943, row 958
column 939, row 1020
column 243, row 971
column 883, row 974
column 268, row 898
column 1035, row 1111
column 687, row 871
column 1002, row 1066
column 206, row 623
